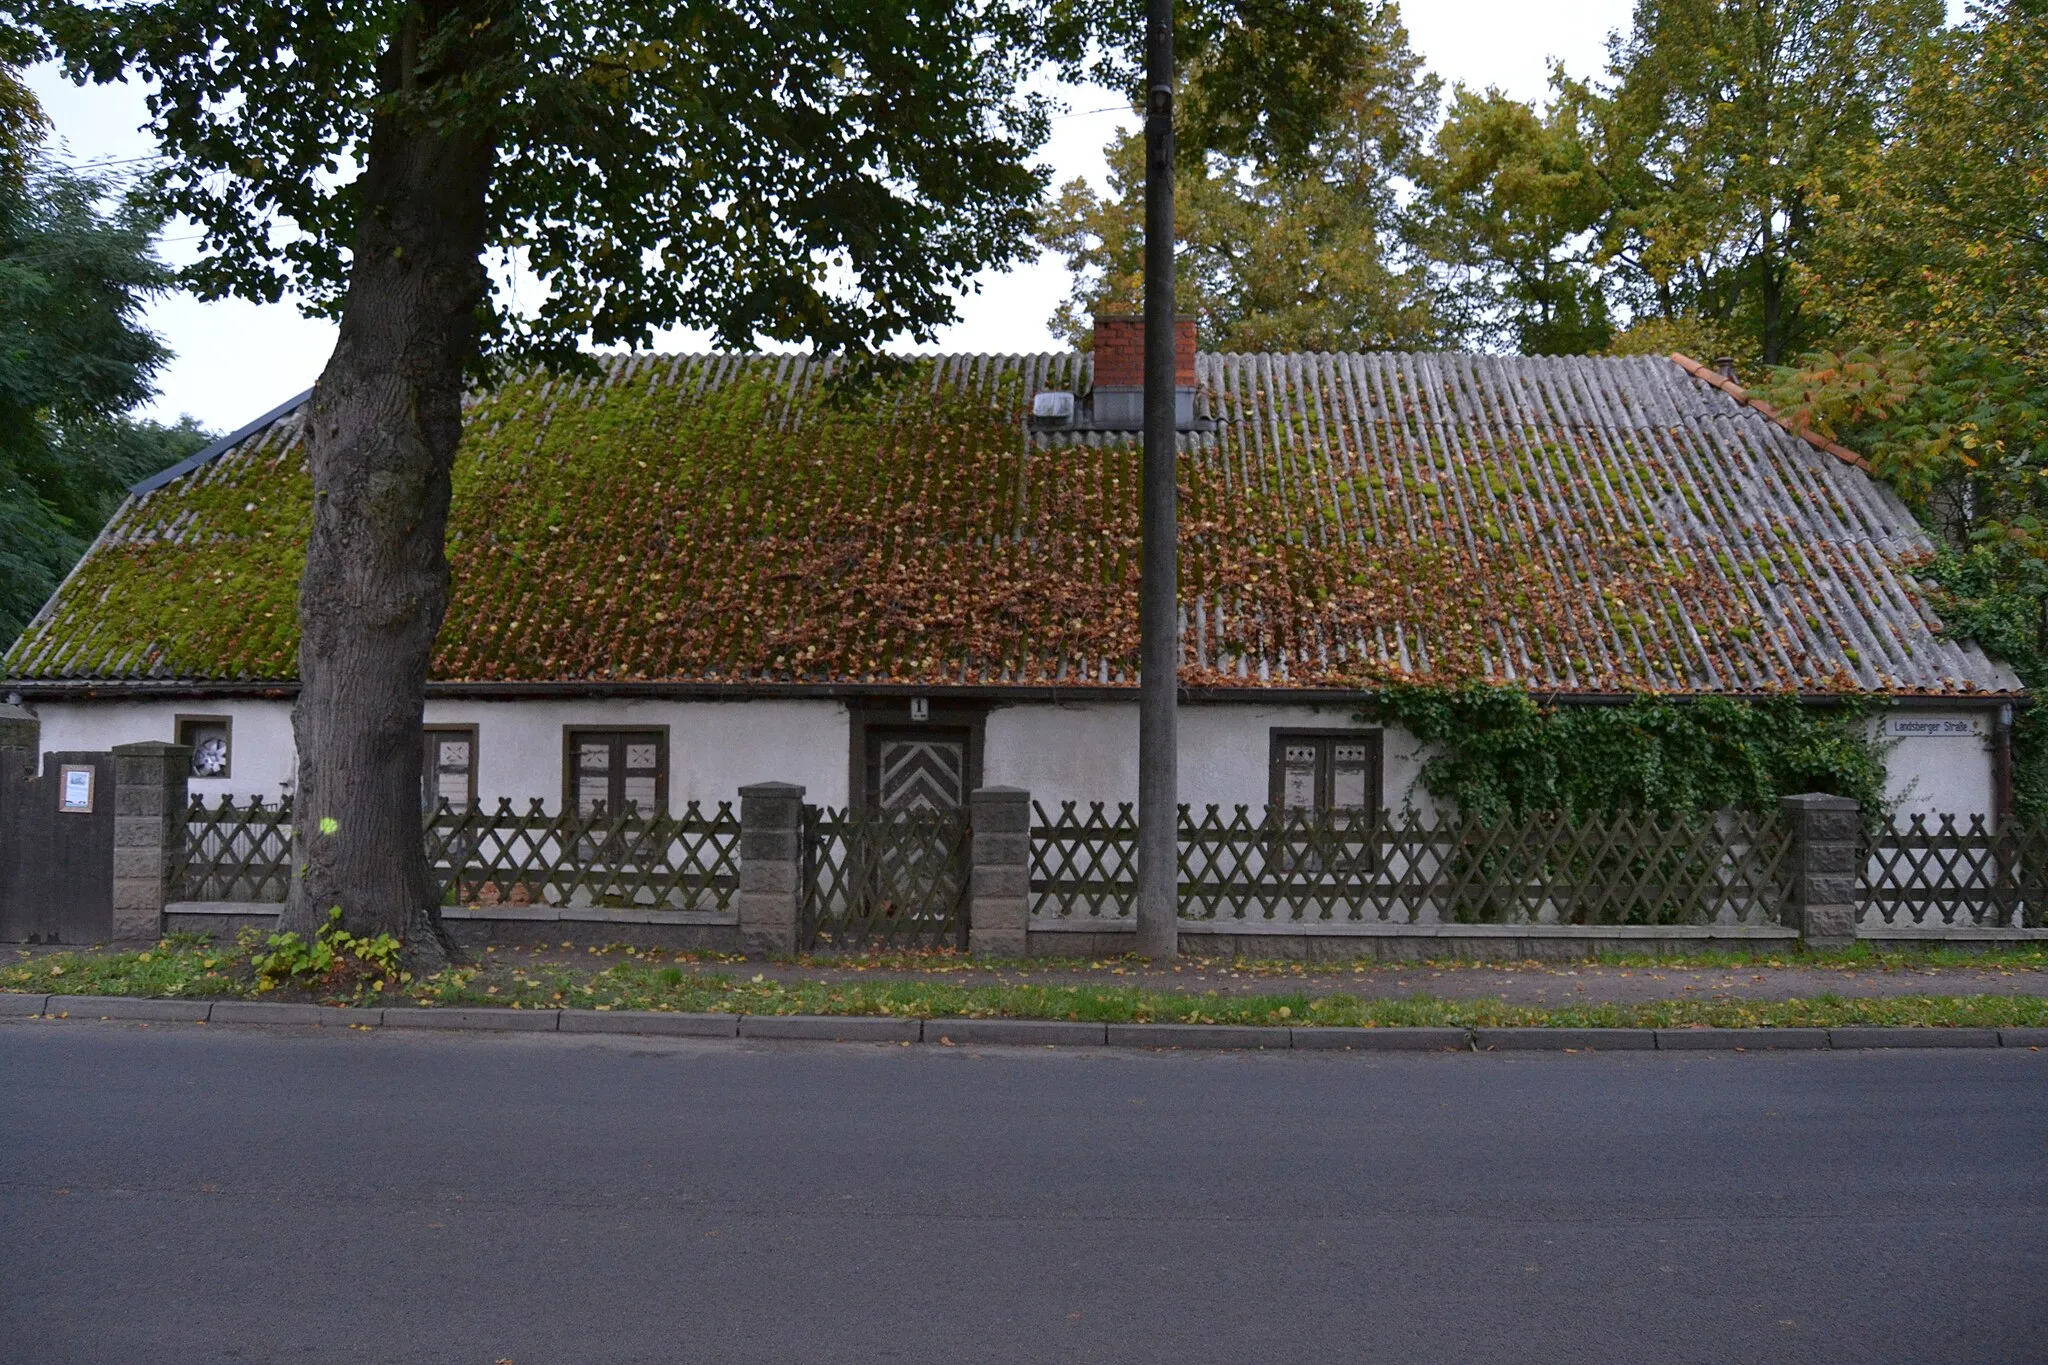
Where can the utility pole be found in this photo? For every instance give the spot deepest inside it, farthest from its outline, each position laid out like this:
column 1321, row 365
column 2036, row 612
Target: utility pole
column 1158, row 624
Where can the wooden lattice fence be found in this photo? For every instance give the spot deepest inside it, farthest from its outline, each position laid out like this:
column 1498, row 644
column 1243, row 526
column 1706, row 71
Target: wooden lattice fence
column 234, row 853
column 883, row 878
column 1922, row 873
column 662, row 861
column 1411, row 868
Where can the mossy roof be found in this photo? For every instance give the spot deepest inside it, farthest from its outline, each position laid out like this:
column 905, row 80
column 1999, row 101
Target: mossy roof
column 1592, row 525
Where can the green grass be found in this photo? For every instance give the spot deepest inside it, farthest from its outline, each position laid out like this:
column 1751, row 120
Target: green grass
column 650, row 981
column 1860, row 957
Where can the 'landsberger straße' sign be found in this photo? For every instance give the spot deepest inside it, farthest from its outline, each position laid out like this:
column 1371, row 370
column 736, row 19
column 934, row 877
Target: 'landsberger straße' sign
column 1933, row 727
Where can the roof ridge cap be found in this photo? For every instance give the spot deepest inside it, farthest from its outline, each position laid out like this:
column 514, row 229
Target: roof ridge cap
column 1741, row 395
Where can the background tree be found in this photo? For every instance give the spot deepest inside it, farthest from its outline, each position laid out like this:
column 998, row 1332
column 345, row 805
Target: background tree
column 1729, row 126
column 1511, row 199
column 76, row 269
column 1924, row 279
column 1283, row 246
column 795, row 169
column 1672, row 204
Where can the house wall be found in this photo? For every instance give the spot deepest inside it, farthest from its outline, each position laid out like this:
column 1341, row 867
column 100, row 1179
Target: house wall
column 1949, row 772
column 1088, row 751
column 260, row 756
column 714, row 747
column 1081, row 751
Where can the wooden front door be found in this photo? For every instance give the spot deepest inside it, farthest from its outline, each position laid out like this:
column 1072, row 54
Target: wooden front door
column 917, row 769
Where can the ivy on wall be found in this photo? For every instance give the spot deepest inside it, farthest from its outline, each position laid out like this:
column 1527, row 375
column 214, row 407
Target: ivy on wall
column 1499, row 751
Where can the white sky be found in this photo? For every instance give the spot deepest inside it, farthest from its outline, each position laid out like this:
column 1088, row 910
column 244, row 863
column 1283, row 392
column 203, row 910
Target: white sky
column 235, row 361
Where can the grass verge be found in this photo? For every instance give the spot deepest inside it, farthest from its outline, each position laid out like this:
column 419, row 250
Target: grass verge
column 650, row 981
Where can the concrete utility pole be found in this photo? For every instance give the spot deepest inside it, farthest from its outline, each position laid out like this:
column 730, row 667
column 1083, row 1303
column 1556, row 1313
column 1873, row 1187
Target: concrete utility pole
column 1158, row 625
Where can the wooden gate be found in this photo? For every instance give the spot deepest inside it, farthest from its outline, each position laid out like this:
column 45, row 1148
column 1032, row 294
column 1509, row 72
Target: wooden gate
column 57, row 850
column 884, row 878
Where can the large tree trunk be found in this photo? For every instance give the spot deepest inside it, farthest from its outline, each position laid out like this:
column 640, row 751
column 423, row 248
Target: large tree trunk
column 387, row 415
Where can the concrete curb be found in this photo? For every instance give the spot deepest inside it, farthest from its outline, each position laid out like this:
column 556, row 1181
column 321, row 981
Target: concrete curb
column 1739, row 1039
column 1912, row 1037
column 1383, row 1039
column 276, row 1012
column 125, row 1007
column 670, row 1025
column 511, row 1021
column 1199, row 1035
column 860, row 1028
column 1016, row 1032
column 1564, row 1039
column 833, row 1028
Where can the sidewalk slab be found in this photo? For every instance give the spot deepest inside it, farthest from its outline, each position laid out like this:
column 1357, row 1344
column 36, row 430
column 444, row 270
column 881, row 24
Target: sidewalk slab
column 1198, row 1035
column 14, row 1005
column 667, row 1023
column 507, row 1020
column 1384, row 1039
column 1018, row 1032
column 836, row 1028
column 1564, row 1039
column 1913, row 1037
column 122, row 1007
column 2023, row 1037
column 278, row 1012
column 1746, row 1039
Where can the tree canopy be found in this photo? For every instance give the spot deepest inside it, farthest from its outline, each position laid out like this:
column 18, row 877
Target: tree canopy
column 76, row 269
column 1282, row 246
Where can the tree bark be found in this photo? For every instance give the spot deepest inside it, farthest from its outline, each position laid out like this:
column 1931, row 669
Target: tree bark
column 386, row 419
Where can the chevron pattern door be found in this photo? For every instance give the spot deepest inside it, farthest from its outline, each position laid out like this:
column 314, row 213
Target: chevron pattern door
column 918, row 770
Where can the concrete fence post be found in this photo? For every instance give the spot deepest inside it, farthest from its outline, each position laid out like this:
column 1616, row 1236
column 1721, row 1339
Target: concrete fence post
column 771, row 865
column 999, row 872
column 1820, row 893
column 149, row 822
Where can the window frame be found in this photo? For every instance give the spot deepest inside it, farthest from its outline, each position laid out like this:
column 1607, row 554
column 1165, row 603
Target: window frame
column 1374, row 738
column 431, row 760
column 179, row 724
column 572, row 735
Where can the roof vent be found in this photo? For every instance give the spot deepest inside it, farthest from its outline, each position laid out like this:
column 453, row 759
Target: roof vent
column 1726, row 365
column 1054, row 406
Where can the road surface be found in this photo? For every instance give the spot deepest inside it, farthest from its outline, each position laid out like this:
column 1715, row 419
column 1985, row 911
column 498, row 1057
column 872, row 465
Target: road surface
column 199, row 1193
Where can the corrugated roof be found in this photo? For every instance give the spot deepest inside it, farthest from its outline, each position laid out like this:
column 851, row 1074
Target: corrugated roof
column 1595, row 525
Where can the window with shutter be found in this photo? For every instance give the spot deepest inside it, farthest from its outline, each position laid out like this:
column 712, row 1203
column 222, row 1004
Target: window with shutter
column 609, row 771
column 449, row 770
column 1326, row 770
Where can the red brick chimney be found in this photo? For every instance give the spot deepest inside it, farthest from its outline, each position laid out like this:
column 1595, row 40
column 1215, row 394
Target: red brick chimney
column 1120, row 351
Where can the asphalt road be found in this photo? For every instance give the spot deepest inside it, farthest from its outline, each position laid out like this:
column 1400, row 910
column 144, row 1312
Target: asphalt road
column 194, row 1193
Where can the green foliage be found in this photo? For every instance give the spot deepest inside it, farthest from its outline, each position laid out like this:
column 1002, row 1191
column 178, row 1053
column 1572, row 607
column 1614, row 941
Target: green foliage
column 1927, row 274
column 1510, row 199
column 335, row 963
column 1500, row 751
column 76, row 268
column 1688, row 186
column 1275, row 253
column 799, row 169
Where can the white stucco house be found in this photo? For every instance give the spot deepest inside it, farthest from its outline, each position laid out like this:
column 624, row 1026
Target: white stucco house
column 685, row 574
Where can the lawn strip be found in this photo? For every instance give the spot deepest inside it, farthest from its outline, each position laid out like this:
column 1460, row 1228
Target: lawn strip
column 644, row 982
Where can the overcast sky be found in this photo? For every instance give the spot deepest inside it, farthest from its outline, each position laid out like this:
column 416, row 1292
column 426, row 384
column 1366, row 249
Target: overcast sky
column 235, row 361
